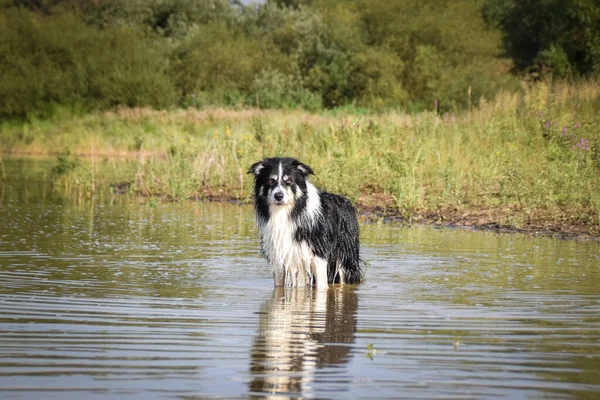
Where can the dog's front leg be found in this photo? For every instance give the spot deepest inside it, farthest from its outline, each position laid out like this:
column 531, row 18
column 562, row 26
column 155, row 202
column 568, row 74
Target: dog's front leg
column 279, row 277
column 319, row 270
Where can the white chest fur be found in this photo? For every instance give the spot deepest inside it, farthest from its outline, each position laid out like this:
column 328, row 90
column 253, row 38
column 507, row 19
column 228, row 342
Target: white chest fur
column 290, row 260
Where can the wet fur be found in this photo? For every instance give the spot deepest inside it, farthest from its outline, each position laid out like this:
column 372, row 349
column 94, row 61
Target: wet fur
column 311, row 236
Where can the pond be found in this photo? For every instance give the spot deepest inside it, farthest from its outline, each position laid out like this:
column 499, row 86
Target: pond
column 123, row 298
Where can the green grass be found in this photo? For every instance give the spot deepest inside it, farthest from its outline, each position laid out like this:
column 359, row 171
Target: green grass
column 529, row 159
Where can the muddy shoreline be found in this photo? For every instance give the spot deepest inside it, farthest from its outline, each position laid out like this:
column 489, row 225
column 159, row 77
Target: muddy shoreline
column 378, row 209
column 474, row 223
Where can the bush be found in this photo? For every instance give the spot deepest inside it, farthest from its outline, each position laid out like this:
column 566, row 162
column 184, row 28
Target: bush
column 41, row 66
column 273, row 89
column 214, row 58
column 378, row 54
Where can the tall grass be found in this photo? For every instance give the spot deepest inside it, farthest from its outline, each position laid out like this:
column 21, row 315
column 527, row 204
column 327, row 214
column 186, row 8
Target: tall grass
column 532, row 156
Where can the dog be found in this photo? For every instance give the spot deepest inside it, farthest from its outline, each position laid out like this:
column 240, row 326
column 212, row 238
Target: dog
column 308, row 236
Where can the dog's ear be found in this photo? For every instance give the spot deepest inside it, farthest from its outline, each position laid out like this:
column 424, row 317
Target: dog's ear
column 303, row 168
column 256, row 168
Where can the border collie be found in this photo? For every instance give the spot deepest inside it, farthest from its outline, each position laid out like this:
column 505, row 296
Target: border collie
column 309, row 237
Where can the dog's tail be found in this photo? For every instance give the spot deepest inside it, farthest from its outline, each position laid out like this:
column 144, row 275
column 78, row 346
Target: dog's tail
column 355, row 273
column 350, row 269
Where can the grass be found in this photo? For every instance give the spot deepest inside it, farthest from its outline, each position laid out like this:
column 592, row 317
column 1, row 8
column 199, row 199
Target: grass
column 524, row 160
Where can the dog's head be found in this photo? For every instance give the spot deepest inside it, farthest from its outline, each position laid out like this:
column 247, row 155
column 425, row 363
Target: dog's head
column 280, row 182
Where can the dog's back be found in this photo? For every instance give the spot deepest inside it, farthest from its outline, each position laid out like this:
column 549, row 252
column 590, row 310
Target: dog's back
column 336, row 238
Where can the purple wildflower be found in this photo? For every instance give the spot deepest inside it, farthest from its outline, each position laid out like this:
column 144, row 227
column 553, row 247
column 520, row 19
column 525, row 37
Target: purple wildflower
column 564, row 130
column 547, row 125
column 583, row 144
column 453, row 117
column 578, row 125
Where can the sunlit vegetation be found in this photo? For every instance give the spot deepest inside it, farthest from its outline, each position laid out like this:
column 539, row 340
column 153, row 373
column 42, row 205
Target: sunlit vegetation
column 521, row 159
column 429, row 109
column 411, row 55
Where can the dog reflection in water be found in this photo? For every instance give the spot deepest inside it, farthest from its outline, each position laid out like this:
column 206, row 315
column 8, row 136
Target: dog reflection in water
column 300, row 332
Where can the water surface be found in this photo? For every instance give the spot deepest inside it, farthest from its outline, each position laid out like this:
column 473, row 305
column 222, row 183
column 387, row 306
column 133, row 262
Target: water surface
column 113, row 298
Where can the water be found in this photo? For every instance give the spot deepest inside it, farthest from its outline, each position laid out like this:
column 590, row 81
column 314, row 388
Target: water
column 118, row 299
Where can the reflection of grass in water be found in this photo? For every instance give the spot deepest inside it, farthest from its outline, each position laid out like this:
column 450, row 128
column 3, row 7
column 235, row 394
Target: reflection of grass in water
column 529, row 157
column 75, row 177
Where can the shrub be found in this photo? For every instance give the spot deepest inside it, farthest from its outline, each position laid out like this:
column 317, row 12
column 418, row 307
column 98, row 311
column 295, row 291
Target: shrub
column 40, row 66
column 273, row 89
column 214, row 58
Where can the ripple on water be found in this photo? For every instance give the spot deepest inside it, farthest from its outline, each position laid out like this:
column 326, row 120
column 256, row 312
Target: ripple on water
column 175, row 301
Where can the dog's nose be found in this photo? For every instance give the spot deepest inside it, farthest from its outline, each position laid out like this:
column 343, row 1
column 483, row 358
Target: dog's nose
column 278, row 196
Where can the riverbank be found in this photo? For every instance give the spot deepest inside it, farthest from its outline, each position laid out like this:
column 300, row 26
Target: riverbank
column 561, row 224
column 524, row 161
column 372, row 208
column 558, row 223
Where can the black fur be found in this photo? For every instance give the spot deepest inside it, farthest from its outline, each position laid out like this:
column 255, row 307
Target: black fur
column 331, row 231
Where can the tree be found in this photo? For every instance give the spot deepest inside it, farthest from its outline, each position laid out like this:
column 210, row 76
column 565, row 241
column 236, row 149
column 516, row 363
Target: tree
column 557, row 36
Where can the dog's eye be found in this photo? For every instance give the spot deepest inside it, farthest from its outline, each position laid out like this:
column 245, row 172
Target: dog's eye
column 288, row 181
column 271, row 181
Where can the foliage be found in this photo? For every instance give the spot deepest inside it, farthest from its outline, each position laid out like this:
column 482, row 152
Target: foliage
column 66, row 163
column 215, row 59
column 273, row 89
column 530, row 155
column 557, row 36
column 410, row 55
column 41, row 67
column 307, row 54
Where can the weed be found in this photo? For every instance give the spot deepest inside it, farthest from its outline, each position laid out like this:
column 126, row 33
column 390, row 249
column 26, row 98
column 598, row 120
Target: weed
column 66, row 163
column 258, row 129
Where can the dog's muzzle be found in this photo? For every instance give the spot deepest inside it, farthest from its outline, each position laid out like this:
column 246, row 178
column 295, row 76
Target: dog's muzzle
column 279, row 198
